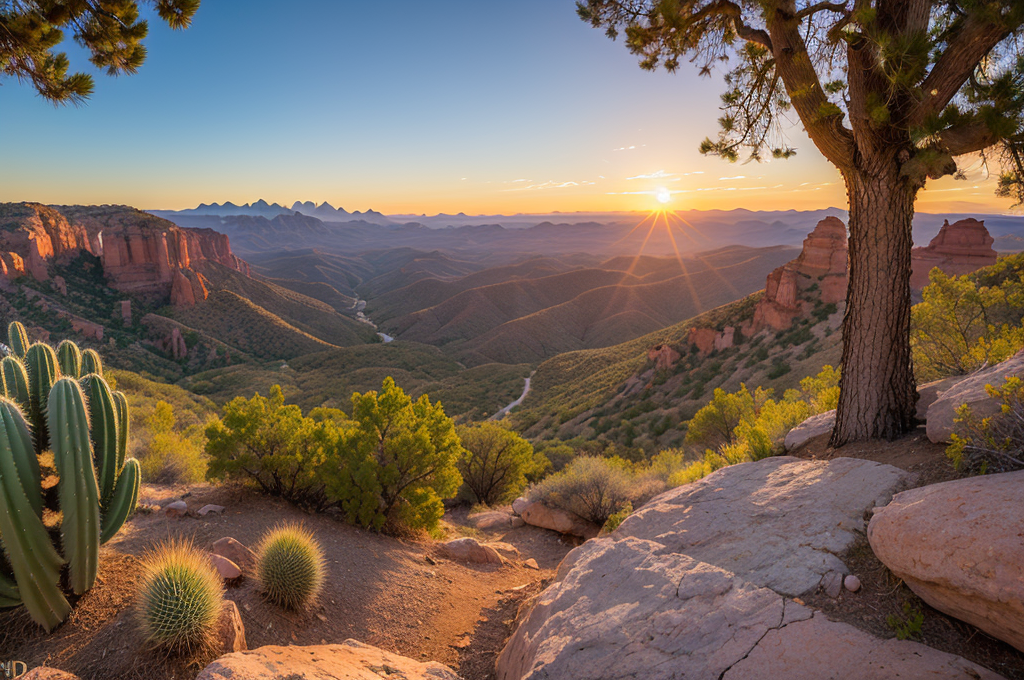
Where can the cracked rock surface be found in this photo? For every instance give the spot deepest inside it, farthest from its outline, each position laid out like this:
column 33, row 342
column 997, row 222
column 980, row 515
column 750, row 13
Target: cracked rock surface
column 697, row 584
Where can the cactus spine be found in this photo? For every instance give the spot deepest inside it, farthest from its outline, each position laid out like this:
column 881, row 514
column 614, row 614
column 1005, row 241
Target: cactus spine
column 16, row 380
column 17, row 338
column 69, row 359
column 78, row 491
column 33, row 559
column 41, row 362
column 91, row 362
column 103, row 433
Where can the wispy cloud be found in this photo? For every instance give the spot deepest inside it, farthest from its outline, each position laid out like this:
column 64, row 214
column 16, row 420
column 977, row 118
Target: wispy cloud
column 551, row 184
column 625, row 148
column 729, row 179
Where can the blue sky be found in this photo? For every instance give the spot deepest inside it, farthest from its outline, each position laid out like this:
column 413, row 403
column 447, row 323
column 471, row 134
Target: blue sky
column 404, row 107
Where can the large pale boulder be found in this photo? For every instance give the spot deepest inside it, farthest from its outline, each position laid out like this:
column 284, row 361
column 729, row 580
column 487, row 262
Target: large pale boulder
column 350, row 660
column 958, row 546
column 815, row 426
column 929, row 393
column 544, row 516
column 41, row 673
column 819, row 649
column 778, row 522
column 971, row 391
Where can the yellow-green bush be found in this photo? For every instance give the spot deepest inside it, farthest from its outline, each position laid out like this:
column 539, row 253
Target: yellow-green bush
column 167, row 454
column 995, row 443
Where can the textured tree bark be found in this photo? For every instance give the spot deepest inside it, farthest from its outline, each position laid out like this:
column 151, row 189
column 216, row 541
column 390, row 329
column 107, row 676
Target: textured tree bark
column 877, row 389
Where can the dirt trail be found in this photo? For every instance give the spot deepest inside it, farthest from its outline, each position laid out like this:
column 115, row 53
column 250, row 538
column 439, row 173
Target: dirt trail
column 395, row 594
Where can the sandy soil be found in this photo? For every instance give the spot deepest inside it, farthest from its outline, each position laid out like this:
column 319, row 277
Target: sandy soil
column 398, row 594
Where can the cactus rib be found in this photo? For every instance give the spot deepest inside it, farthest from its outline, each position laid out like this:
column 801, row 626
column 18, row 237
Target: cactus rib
column 16, row 380
column 126, row 497
column 41, row 362
column 78, row 491
column 121, row 405
column 103, row 432
column 35, row 562
column 17, row 338
column 91, row 362
column 69, row 358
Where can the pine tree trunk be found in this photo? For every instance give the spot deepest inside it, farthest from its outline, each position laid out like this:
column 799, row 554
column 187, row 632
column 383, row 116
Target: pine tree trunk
column 877, row 389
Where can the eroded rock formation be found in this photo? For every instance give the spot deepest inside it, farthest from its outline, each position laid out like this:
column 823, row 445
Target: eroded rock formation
column 959, row 248
column 141, row 254
column 663, row 356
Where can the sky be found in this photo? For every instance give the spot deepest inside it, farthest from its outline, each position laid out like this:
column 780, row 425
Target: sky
column 406, row 108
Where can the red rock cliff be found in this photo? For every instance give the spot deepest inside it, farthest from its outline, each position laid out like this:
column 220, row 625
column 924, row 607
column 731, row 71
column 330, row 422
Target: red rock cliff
column 959, row 248
column 822, row 262
column 141, row 254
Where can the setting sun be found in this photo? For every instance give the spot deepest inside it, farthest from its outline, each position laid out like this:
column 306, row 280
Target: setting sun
column 663, row 195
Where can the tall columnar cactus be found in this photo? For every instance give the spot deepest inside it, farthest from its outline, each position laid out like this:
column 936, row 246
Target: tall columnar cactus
column 16, row 381
column 91, row 362
column 79, row 493
column 35, row 563
column 17, row 339
column 69, row 359
column 96, row 492
column 41, row 362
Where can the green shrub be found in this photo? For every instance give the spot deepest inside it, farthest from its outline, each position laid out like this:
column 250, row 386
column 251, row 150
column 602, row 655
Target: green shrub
column 396, row 462
column 594, row 488
column 995, row 443
column 909, row 625
column 496, row 462
column 168, row 455
column 263, row 441
column 290, row 566
column 617, row 518
column 180, row 597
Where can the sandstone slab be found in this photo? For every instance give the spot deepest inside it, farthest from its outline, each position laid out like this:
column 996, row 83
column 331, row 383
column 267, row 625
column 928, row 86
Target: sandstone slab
column 45, row 673
column 777, row 522
column 349, row 660
column 815, row 426
column 819, row 649
column 971, row 391
column 958, row 546
column 929, row 393
column 469, row 550
column 625, row 610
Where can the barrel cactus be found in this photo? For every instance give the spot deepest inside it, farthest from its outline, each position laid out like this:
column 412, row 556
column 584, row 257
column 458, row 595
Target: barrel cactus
column 290, row 566
column 180, row 597
column 96, row 491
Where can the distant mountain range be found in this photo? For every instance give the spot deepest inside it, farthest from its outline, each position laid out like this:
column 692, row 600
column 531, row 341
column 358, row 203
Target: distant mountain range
column 325, row 211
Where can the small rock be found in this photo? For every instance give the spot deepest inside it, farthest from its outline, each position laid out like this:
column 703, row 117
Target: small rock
column 470, row 550
column 234, row 551
column 531, row 564
column 520, row 504
column 492, row 520
column 176, row 509
column 230, row 631
column 832, row 583
column 852, row 583
column 207, row 509
column 517, row 522
column 227, row 569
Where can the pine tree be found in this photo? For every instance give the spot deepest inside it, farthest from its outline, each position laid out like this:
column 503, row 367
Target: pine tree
column 111, row 30
column 891, row 92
